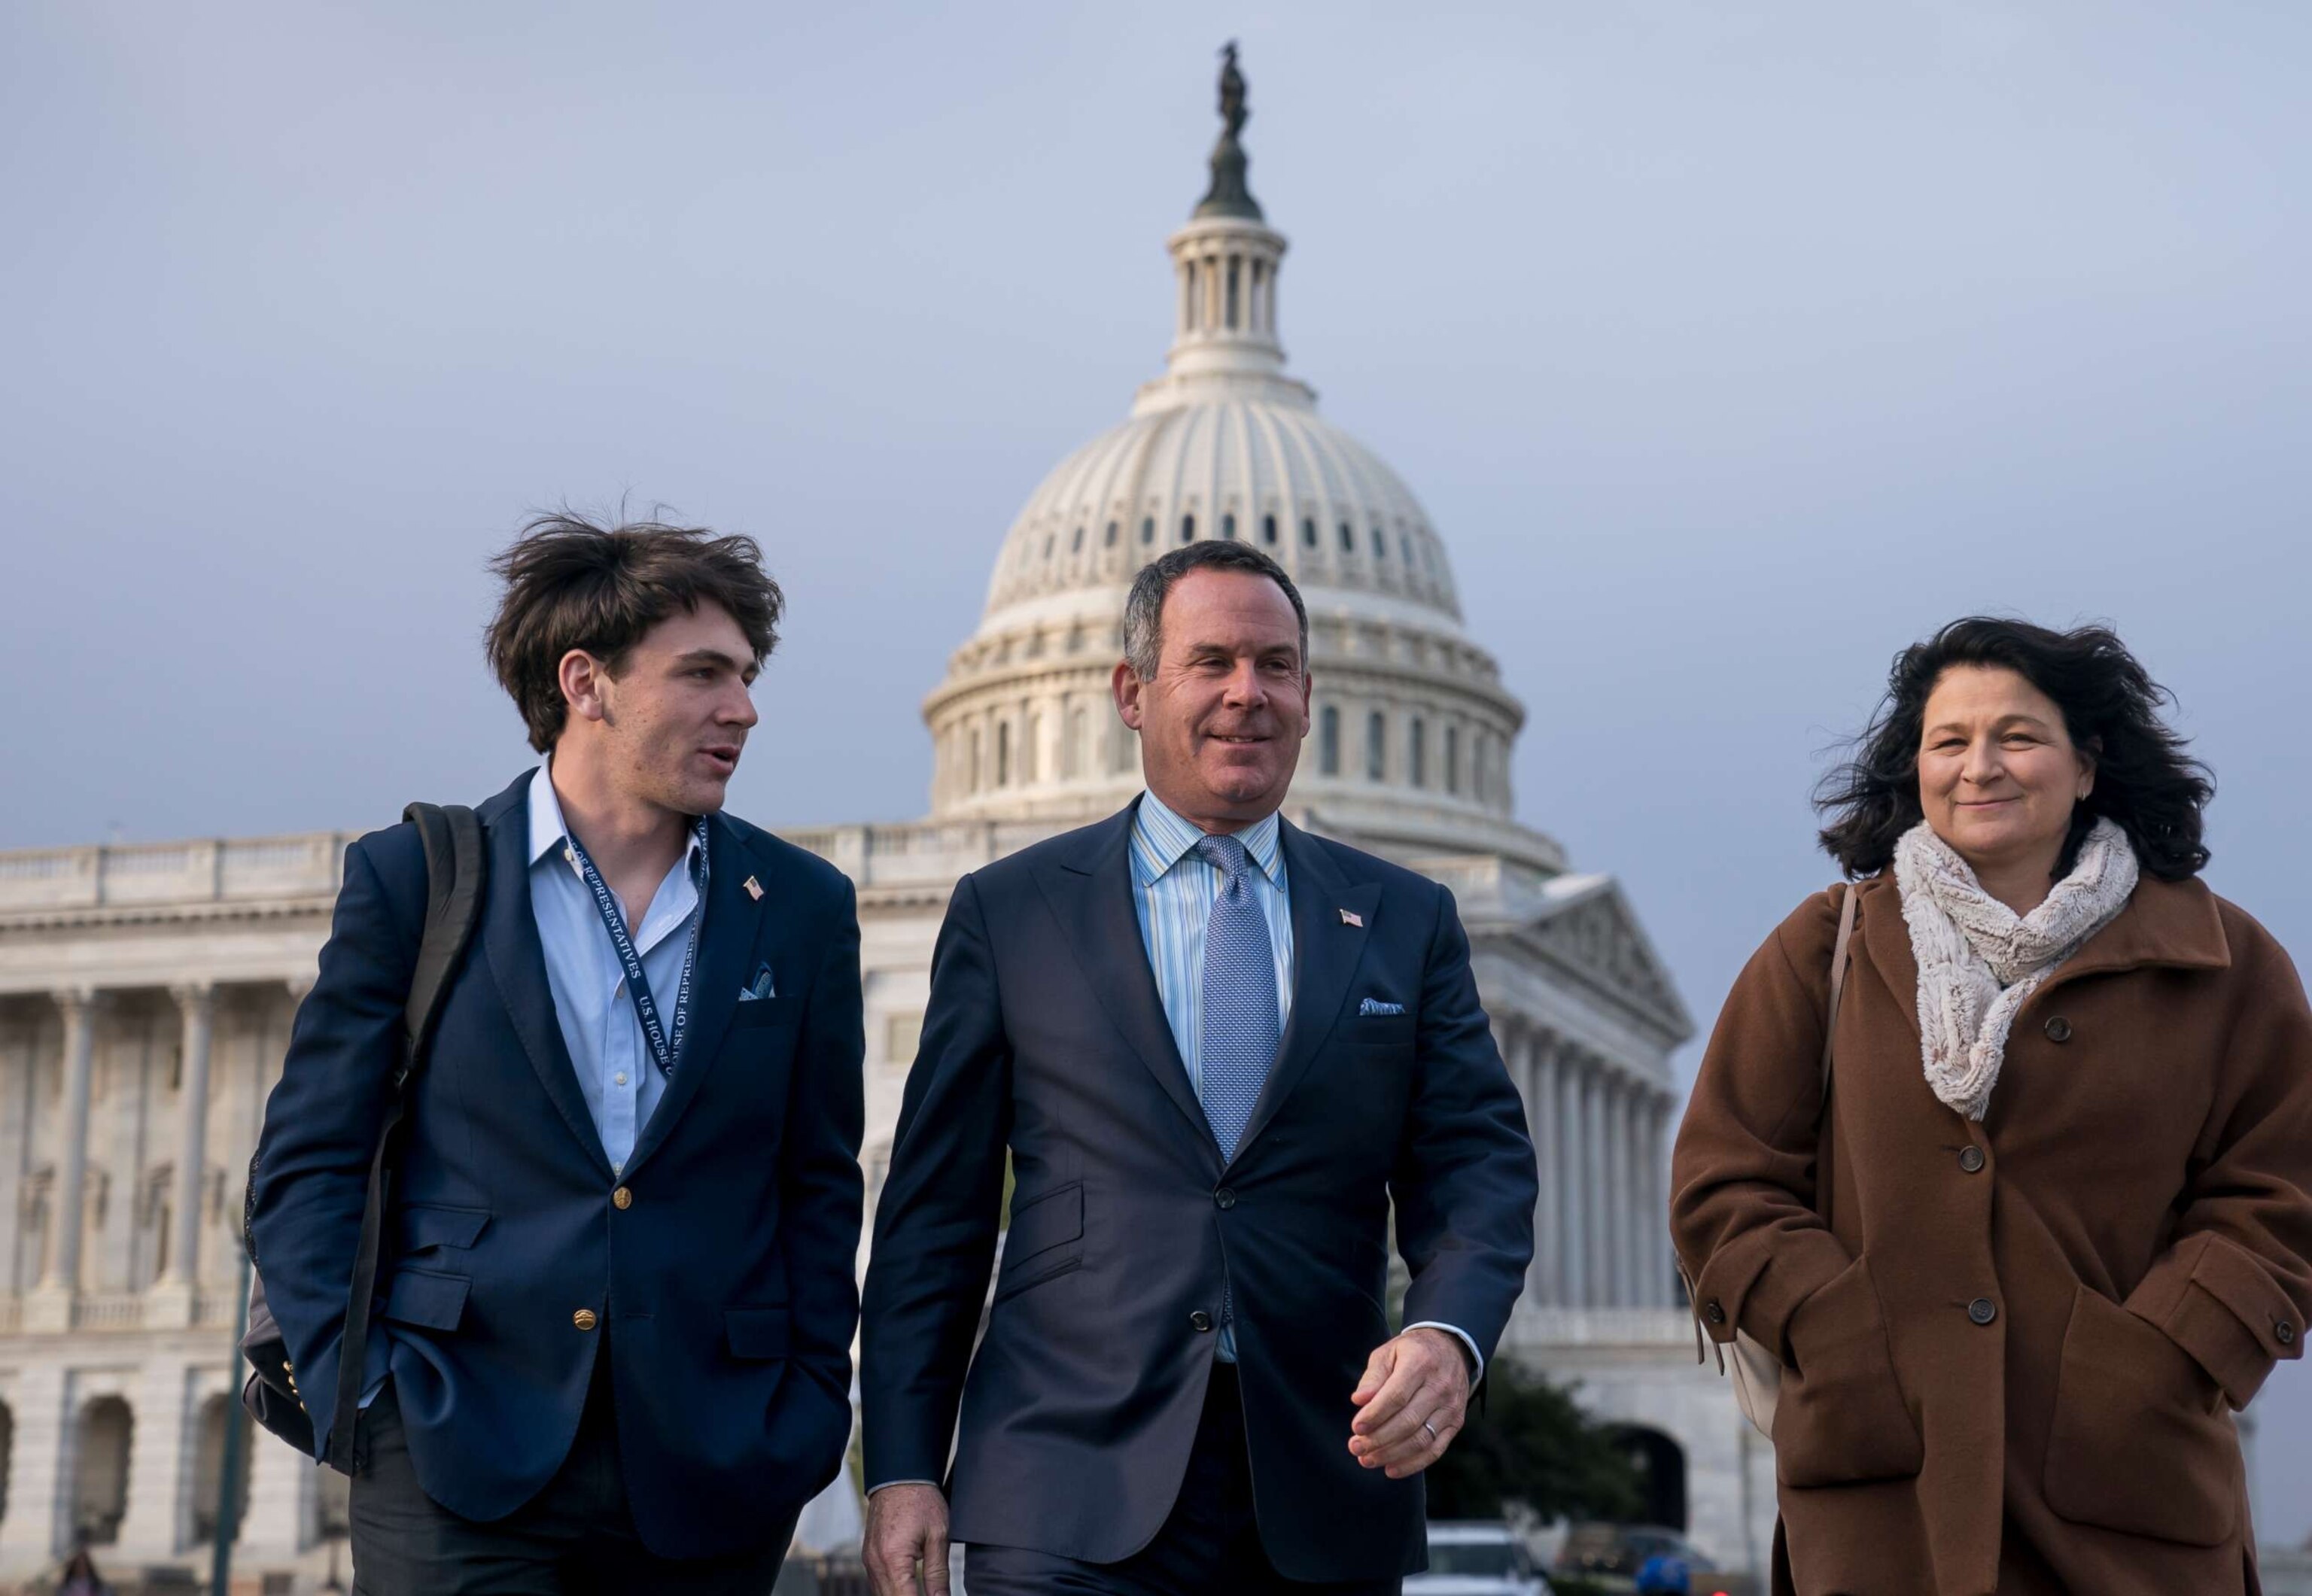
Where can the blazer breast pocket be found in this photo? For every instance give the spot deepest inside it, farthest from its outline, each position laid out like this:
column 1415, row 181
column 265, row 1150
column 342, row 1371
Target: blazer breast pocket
column 758, row 1012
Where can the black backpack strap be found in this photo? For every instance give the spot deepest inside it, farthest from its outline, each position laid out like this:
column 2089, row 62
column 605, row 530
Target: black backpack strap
column 455, row 876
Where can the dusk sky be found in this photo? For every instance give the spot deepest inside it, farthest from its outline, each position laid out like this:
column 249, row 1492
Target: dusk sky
column 1729, row 348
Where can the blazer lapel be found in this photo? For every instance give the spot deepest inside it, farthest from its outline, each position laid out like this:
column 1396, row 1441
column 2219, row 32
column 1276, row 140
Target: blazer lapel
column 1090, row 894
column 726, row 949
column 1332, row 920
column 517, row 961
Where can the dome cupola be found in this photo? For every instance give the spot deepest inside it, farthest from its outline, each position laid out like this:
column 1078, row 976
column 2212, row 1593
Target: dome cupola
column 1412, row 731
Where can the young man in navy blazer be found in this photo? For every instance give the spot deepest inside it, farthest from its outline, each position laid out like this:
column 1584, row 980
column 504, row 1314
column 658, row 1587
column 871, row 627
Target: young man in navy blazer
column 1220, row 1052
column 612, row 1351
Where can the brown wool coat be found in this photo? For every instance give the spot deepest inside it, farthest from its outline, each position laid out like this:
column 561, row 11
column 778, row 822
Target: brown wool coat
column 2131, row 1217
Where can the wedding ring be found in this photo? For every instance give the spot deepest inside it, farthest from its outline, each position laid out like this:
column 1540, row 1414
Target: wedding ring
column 1432, row 1428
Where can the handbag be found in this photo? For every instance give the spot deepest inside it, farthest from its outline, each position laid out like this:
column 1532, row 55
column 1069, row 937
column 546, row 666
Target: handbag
column 1758, row 1373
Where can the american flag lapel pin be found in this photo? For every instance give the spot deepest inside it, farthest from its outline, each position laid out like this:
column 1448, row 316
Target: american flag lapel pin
column 754, row 889
column 1350, row 916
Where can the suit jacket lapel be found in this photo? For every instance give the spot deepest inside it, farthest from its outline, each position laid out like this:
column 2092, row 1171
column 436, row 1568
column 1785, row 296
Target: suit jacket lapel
column 1326, row 949
column 517, row 961
column 727, row 938
column 1090, row 894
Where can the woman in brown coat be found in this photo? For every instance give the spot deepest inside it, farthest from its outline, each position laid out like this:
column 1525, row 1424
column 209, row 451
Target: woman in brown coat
column 2050, row 1227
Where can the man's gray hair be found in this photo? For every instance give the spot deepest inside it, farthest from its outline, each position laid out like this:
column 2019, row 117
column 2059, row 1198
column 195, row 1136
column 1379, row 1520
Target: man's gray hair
column 1144, row 608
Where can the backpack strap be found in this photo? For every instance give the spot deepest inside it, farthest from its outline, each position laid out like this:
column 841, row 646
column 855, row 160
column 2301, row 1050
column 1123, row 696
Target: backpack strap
column 455, row 875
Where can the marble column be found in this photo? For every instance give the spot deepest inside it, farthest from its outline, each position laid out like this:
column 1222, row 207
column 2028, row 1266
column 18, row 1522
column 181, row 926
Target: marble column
column 1572, row 1220
column 49, row 1308
column 1618, row 1216
column 1541, row 1123
column 1597, row 1245
column 1645, row 1213
column 170, row 1302
column 1666, row 1268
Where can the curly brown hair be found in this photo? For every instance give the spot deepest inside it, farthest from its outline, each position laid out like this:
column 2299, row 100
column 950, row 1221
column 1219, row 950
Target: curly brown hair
column 575, row 583
column 2144, row 779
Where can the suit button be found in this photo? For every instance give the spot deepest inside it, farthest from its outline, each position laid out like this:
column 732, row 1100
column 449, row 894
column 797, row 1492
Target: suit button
column 584, row 1319
column 622, row 1199
column 1983, row 1310
column 1715, row 1313
column 1224, row 1197
column 1970, row 1159
column 2059, row 1029
column 2284, row 1333
column 1200, row 1321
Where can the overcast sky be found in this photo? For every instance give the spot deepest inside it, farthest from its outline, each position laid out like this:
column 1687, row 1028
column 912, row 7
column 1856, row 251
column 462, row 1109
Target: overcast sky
column 1729, row 347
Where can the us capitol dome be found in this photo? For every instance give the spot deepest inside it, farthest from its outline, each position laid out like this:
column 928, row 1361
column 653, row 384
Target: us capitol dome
column 1412, row 735
column 146, row 990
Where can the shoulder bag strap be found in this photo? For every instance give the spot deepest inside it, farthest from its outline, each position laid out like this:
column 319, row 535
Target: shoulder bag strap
column 455, row 880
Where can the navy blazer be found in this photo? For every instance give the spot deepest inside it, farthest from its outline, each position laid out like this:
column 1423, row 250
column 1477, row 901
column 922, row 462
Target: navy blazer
column 1046, row 1036
column 724, row 1289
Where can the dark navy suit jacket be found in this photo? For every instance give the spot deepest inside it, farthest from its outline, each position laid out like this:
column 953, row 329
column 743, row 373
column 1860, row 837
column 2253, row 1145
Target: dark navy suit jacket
column 725, row 1289
column 1045, row 1035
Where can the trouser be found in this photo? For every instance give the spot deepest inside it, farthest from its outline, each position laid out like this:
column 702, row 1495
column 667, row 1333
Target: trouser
column 1209, row 1545
column 576, row 1537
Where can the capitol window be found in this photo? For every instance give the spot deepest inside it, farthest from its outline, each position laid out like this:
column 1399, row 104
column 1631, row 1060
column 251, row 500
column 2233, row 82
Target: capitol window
column 1348, row 539
column 1329, row 741
column 1148, row 530
column 1268, row 528
column 1228, row 527
column 1380, row 544
column 1187, row 528
column 1453, row 759
column 1377, row 747
column 1003, row 753
column 1308, row 533
column 1076, row 546
column 1417, row 751
column 1111, row 534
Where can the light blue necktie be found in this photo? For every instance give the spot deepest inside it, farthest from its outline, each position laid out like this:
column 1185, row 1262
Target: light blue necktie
column 1240, row 1026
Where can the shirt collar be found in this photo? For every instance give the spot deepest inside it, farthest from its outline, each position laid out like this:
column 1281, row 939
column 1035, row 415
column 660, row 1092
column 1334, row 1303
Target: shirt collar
column 1161, row 840
column 546, row 828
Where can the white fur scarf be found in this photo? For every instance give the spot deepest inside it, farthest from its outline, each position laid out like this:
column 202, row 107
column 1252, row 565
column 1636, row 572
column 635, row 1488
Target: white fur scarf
column 1979, row 962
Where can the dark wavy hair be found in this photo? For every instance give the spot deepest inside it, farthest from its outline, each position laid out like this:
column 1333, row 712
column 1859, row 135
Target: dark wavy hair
column 575, row 583
column 2144, row 779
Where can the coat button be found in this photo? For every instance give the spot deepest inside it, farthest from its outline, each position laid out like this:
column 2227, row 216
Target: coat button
column 1224, row 1197
column 2284, row 1333
column 1970, row 1159
column 2059, row 1029
column 622, row 1199
column 584, row 1319
column 1715, row 1313
column 1200, row 1321
column 1983, row 1310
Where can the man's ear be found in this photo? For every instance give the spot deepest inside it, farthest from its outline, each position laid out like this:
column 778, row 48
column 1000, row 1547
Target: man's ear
column 582, row 679
column 1126, row 685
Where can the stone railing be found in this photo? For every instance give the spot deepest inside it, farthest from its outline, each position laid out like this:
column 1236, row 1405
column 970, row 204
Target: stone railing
column 108, row 1311
column 125, row 874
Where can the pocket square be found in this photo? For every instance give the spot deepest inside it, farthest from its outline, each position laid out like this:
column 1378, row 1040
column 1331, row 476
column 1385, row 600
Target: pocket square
column 1372, row 1006
column 760, row 988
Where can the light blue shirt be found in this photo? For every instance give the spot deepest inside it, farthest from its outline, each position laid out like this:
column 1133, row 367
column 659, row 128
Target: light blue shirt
column 616, row 1072
column 1172, row 891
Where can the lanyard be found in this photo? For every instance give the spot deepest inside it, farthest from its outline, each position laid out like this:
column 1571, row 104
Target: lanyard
column 664, row 1047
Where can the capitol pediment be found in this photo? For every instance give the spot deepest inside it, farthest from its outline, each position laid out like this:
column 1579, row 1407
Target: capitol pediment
column 1585, row 925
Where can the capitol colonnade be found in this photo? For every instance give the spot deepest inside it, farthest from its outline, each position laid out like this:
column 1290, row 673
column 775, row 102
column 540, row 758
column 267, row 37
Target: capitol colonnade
column 137, row 1044
column 1601, row 1235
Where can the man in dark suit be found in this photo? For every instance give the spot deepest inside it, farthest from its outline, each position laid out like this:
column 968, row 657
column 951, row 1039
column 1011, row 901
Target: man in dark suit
column 617, row 1283
column 1219, row 1051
